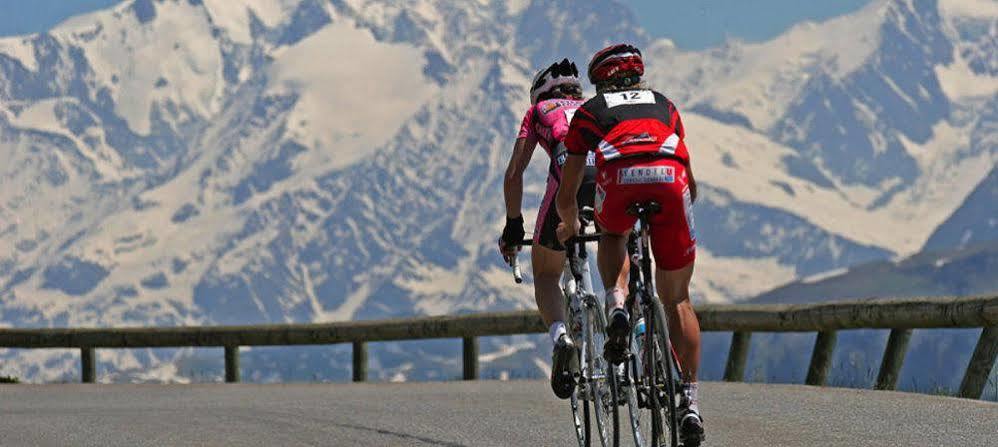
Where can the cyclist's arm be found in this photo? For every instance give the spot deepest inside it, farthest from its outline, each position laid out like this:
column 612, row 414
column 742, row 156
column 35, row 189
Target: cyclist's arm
column 571, row 178
column 583, row 136
column 692, row 183
column 684, row 152
column 512, row 185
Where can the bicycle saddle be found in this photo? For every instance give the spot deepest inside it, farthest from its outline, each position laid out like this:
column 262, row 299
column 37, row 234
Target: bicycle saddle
column 587, row 215
column 644, row 209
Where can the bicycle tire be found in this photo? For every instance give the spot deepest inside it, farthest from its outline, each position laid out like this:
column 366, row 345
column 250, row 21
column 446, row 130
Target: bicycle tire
column 585, row 413
column 580, row 413
column 602, row 391
column 577, row 419
column 665, row 361
column 635, row 391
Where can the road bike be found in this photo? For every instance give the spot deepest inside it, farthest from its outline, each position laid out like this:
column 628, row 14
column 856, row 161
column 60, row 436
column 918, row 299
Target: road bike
column 596, row 382
column 651, row 370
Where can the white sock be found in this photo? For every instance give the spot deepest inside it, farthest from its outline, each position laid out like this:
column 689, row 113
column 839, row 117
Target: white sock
column 615, row 298
column 690, row 390
column 556, row 330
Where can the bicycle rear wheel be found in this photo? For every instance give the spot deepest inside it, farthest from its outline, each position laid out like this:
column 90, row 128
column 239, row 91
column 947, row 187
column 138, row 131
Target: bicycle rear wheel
column 664, row 378
column 634, row 388
column 601, row 379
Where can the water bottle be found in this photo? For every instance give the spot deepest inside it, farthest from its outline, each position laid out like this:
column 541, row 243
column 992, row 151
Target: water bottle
column 639, row 334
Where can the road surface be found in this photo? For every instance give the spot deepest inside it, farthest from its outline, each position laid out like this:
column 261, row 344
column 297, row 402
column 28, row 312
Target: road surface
column 482, row 413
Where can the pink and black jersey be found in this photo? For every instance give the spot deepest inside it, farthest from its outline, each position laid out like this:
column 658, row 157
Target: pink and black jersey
column 548, row 121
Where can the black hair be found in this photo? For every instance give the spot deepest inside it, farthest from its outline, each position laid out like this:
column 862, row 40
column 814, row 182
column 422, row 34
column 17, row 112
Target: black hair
column 625, row 81
column 561, row 92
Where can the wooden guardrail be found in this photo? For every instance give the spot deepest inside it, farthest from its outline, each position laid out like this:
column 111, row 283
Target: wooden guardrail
column 900, row 316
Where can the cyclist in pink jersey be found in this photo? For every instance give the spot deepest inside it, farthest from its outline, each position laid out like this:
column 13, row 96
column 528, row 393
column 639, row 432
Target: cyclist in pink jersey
column 554, row 96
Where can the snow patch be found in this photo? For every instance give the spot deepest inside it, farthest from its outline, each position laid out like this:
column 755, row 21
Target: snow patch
column 749, row 167
column 824, row 275
column 725, row 279
column 41, row 116
column 925, row 205
column 349, row 307
column 760, row 80
column 134, row 58
column 515, row 7
column 20, row 48
column 234, row 15
column 350, row 102
column 959, row 81
column 985, row 9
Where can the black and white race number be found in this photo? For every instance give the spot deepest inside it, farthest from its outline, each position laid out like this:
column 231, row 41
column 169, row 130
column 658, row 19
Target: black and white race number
column 629, row 97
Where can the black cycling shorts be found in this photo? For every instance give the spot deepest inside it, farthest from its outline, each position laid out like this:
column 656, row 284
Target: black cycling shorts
column 547, row 218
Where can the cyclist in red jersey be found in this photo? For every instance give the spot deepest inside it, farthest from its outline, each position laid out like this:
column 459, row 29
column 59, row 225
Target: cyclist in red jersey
column 637, row 136
column 554, row 96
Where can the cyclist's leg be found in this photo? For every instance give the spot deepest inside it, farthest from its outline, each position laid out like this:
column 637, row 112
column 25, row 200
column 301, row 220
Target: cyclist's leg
column 674, row 247
column 612, row 262
column 673, row 243
column 684, row 330
column 548, row 258
column 684, row 327
column 616, row 224
column 548, row 265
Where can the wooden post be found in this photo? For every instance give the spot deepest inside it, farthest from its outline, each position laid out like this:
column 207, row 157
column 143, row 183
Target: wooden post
column 470, row 353
column 890, row 366
column 981, row 364
column 734, row 370
column 88, row 365
column 232, row 364
column 359, row 361
column 821, row 358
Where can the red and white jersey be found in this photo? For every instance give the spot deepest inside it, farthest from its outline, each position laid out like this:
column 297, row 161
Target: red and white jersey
column 624, row 124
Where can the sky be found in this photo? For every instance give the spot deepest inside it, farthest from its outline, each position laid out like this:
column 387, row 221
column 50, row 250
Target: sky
column 699, row 24
column 690, row 24
column 32, row 16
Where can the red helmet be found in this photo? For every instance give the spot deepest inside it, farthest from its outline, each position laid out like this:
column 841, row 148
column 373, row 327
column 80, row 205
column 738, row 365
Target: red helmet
column 609, row 62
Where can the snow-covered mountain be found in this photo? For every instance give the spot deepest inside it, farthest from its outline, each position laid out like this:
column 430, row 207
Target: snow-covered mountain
column 244, row 161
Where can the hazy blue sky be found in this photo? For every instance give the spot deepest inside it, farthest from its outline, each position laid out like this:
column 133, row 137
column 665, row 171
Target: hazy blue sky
column 691, row 24
column 31, row 16
column 696, row 24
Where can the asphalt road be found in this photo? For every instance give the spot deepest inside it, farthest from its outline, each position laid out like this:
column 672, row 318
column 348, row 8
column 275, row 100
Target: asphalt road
column 485, row 413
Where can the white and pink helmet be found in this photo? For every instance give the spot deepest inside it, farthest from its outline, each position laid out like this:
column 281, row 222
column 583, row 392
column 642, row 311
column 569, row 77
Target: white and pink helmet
column 558, row 75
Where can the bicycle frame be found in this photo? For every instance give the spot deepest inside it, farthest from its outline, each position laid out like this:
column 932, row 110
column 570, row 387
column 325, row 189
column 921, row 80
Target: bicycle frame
column 584, row 312
column 576, row 271
column 641, row 301
column 643, row 291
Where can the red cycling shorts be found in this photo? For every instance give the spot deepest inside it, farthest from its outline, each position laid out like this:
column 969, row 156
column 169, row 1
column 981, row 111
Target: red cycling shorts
column 622, row 183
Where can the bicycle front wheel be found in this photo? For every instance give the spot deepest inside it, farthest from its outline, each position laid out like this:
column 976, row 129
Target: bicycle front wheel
column 578, row 414
column 601, row 380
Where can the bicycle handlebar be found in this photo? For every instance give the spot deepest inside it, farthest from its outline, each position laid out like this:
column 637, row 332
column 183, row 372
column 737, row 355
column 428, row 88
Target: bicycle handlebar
column 514, row 262
column 586, row 216
column 517, row 275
